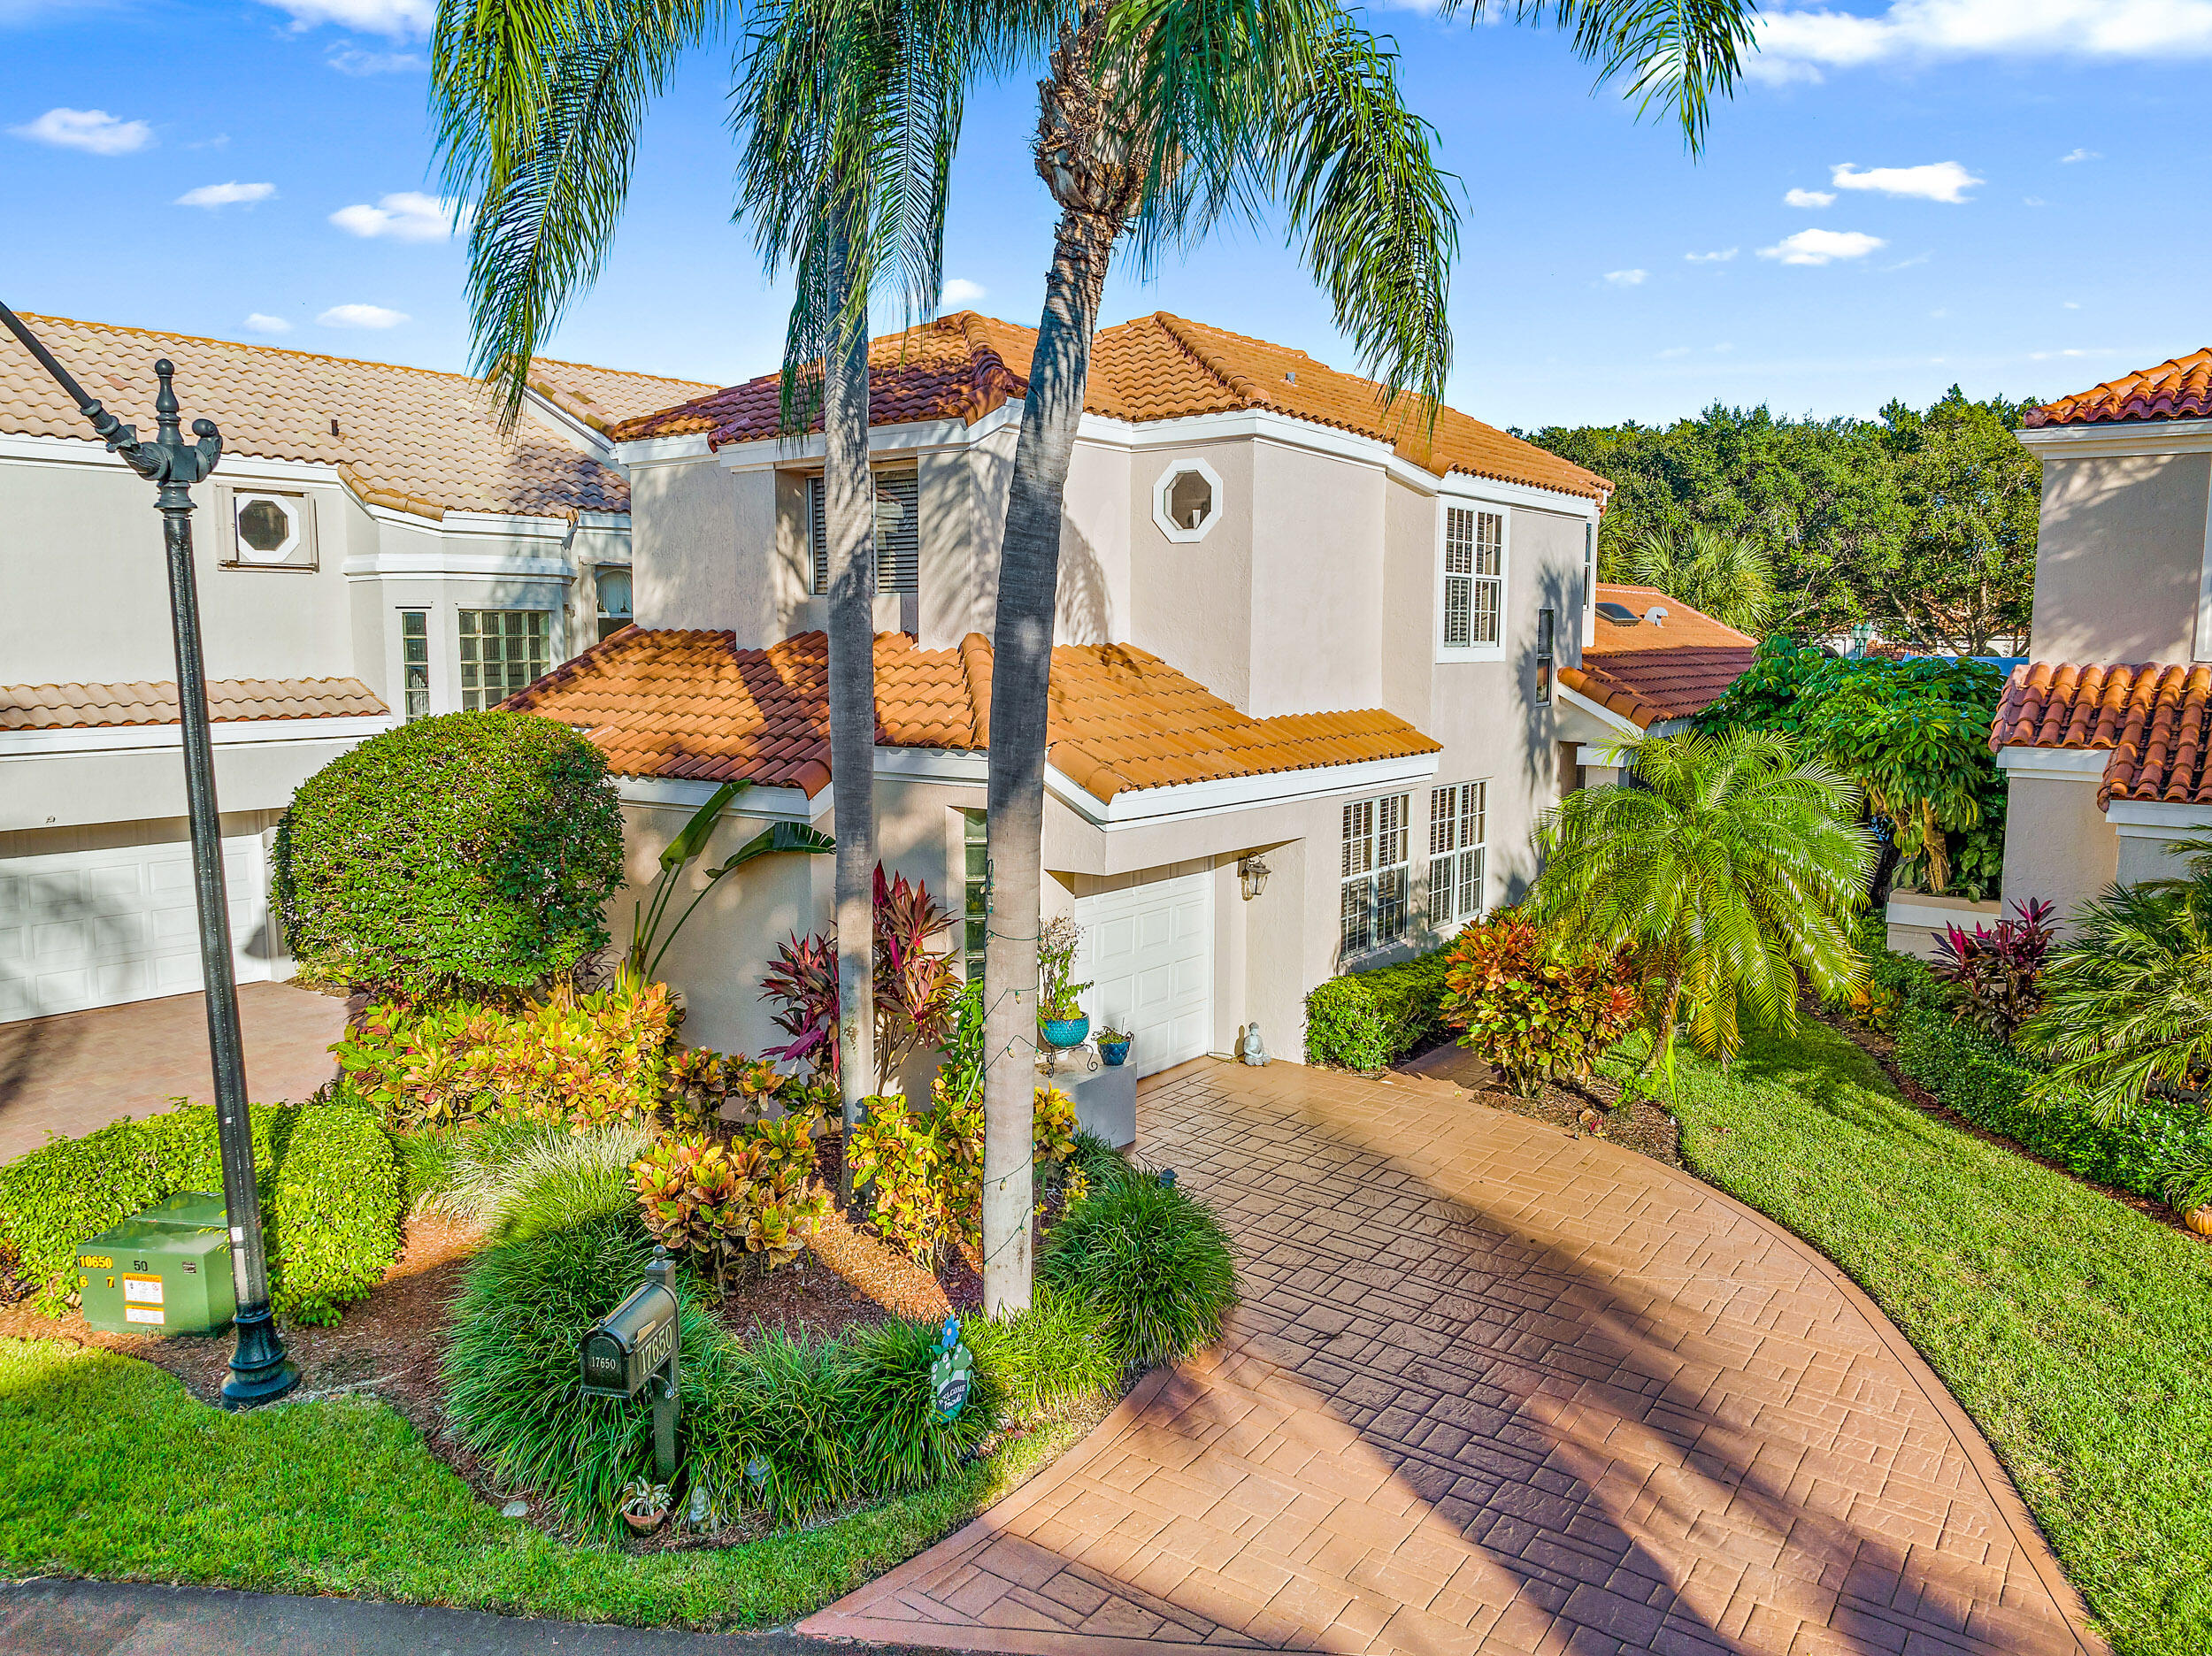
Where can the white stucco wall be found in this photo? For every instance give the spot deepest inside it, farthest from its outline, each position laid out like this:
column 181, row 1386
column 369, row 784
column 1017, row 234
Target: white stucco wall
column 2120, row 557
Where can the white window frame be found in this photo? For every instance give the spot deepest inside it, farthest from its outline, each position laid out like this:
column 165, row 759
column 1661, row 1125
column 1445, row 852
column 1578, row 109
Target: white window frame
column 487, row 700
column 414, row 700
column 298, row 552
column 1376, row 874
column 1165, row 521
column 1459, row 854
column 1586, row 631
column 1494, row 650
column 601, row 614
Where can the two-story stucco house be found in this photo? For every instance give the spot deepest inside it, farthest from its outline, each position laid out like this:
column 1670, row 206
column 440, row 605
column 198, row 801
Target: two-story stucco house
column 1311, row 686
column 2104, row 736
column 371, row 548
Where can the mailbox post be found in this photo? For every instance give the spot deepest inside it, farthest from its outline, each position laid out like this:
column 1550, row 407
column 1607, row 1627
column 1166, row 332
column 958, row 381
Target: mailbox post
column 633, row 1349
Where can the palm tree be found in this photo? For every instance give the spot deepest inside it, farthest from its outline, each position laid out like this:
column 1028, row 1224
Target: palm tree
column 2127, row 1004
column 1728, row 867
column 851, row 109
column 1159, row 117
column 1729, row 576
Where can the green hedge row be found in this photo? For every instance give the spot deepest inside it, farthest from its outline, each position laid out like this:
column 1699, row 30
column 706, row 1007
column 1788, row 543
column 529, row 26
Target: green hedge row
column 1987, row 1081
column 1367, row 1020
column 799, row 1427
column 330, row 1196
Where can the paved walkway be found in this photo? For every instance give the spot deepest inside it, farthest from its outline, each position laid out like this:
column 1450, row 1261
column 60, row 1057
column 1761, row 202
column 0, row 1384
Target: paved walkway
column 1495, row 1389
column 72, row 1073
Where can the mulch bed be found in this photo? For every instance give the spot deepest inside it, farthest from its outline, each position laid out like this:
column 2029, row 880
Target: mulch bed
column 1588, row 1109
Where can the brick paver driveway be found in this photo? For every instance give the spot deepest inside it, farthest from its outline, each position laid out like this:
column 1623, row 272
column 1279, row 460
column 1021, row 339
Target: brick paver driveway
column 1495, row 1389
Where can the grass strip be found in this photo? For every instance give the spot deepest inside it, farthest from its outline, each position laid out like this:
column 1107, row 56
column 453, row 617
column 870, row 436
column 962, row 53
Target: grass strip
column 116, row 1471
column 2075, row 1331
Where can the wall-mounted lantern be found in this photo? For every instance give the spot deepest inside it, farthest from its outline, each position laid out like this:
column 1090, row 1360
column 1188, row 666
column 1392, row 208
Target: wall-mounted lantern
column 1252, row 874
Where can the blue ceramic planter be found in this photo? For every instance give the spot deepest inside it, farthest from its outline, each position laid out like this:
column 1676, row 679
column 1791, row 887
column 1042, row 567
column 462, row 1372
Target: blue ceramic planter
column 1115, row 1053
column 1066, row 1033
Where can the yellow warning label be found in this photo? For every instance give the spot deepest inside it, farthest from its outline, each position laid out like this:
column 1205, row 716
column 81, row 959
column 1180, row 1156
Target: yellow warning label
column 143, row 1313
column 146, row 1290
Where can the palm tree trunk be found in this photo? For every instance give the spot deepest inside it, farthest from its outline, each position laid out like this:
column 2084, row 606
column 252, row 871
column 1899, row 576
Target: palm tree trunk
column 1021, row 669
column 848, row 522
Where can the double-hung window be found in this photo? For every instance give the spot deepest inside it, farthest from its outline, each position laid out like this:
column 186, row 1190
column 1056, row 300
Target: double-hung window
column 1547, row 651
column 1375, row 874
column 501, row 651
column 414, row 661
column 898, row 531
column 1473, row 592
column 1458, row 822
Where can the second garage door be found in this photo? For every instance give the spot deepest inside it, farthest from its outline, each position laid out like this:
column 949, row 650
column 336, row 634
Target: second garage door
column 1149, row 953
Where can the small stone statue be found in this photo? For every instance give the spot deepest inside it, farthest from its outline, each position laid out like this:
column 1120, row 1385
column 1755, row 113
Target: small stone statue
column 1254, row 1048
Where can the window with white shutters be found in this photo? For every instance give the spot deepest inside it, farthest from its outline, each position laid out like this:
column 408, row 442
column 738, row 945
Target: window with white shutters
column 1376, row 874
column 1474, row 577
column 898, row 532
column 1458, row 826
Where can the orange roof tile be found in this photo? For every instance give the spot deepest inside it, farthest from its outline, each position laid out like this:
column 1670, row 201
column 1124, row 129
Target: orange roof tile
column 692, row 705
column 408, row 437
column 1648, row 673
column 2178, row 388
column 2156, row 720
column 67, row 706
column 1159, row 367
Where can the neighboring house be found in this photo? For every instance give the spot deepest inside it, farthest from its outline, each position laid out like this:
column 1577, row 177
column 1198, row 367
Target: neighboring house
column 2103, row 736
column 1294, row 634
column 372, row 547
column 1652, row 664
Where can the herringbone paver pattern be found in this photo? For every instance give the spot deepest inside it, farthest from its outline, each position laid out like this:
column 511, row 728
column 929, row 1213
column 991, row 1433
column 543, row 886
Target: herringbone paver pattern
column 1494, row 1389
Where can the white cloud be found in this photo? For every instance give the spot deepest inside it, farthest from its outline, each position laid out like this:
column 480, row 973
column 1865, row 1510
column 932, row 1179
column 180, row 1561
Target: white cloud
column 93, row 130
column 404, row 216
column 2073, row 304
column 347, row 58
column 361, row 316
column 2079, row 154
column 1938, row 182
column 961, row 291
column 1798, row 42
column 1821, row 247
column 1625, row 278
column 231, row 194
column 1720, row 257
column 402, row 20
column 1674, row 350
column 259, row 324
column 2034, row 200
column 1809, row 198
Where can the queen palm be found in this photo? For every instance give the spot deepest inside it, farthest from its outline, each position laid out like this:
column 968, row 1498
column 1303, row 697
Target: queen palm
column 850, row 110
column 1159, row 117
column 1730, row 869
column 1727, row 575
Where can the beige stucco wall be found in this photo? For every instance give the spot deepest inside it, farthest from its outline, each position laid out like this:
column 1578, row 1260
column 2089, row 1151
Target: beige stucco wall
column 2156, row 855
column 2058, row 846
column 1191, row 603
column 2120, row 557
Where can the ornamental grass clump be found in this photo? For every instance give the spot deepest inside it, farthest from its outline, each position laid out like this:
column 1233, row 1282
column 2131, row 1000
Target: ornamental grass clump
column 1541, row 1003
column 1150, row 1261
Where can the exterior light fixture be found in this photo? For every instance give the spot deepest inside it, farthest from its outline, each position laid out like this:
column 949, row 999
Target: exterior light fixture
column 1252, row 874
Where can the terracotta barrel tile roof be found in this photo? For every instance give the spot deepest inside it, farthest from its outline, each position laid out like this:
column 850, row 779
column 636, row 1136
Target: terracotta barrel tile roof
column 67, row 706
column 1159, row 367
column 407, row 438
column 691, row 704
column 1647, row 672
column 2180, row 388
column 2155, row 719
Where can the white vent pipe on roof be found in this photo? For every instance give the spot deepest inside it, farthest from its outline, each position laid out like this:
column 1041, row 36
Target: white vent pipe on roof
column 1656, row 615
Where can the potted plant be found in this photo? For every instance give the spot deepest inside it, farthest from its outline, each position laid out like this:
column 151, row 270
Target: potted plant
column 1060, row 1016
column 1113, row 1047
column 645, row 1504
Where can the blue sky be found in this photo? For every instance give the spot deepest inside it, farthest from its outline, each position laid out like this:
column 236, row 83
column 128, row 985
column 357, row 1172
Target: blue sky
column 1990, row 192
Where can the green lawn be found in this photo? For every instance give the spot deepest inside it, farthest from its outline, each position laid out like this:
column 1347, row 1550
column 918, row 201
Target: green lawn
column 114, row 1470
column 2075, row 1331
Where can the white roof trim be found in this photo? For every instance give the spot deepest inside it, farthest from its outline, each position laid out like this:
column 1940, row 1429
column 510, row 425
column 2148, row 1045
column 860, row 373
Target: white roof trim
column 2053, row 765
column 2117, row 437
column 1604, row 715
column 2158, row 819
column 80, row 738
column 766, row 804
column 1147, row 808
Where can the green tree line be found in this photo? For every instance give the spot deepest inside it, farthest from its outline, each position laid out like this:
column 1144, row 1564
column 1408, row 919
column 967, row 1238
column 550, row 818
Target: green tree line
column 1921, row 522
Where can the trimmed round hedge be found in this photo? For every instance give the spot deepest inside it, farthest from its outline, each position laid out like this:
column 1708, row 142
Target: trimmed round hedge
column 463, row 854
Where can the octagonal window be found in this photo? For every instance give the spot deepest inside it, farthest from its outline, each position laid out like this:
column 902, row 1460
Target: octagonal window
column 271, row 529
column 1187, row 501
column 264, row 526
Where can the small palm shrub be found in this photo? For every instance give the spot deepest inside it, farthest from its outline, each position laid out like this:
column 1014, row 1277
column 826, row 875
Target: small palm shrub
column 1998, row 975
column 463, row 854
column 1148, row 1259
column 1540, row 1002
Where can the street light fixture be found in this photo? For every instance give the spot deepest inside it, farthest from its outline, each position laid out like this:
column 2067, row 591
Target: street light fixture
column 260, row 1371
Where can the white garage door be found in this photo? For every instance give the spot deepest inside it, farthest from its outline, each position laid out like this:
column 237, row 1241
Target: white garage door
column 82, row 929
column 1149, row 953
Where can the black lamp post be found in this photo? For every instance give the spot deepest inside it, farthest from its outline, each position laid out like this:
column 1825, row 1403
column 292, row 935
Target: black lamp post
column 260, row 1371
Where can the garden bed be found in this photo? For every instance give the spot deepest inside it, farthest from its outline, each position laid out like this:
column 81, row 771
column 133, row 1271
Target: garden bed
column 1589, row 1106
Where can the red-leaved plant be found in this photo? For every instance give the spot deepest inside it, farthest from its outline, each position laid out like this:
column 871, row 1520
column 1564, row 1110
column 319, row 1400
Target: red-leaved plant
column 915, row 987
column 1998, row 975
column 1538, row 1001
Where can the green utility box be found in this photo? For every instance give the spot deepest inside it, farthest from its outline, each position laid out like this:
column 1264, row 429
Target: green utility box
column 162, row 1271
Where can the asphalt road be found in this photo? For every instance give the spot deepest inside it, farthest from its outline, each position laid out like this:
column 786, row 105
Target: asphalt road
column 80, row 1618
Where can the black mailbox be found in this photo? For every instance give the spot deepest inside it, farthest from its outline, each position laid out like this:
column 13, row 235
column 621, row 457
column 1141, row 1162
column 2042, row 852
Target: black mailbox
column 626, row 1348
